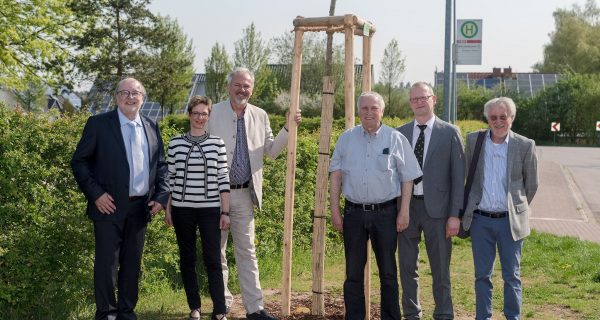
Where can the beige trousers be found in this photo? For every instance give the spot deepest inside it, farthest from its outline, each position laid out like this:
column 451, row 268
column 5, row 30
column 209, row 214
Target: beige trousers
column 241, row 214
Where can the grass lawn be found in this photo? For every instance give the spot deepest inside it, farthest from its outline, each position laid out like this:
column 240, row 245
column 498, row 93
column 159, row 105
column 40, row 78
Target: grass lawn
column 561, row 280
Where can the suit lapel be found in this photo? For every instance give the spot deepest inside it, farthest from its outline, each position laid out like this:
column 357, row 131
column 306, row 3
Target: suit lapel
column 407, row 131
column 433, row 141
column 150, row 139
column 511, row 154
column 115, row 126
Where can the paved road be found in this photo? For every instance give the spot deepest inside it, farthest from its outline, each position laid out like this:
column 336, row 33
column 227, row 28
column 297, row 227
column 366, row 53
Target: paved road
column 568, row 199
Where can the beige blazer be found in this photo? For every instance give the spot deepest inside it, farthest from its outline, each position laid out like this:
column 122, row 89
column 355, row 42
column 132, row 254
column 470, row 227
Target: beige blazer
column 260, row 138
column 522, row 183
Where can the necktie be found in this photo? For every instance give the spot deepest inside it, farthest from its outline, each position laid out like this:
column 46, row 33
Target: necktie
column 419, row 148
column 137, row 159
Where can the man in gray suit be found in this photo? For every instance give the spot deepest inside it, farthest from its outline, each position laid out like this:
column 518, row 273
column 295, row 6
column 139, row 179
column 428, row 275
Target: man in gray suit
column 505, row 181
column 435, row 204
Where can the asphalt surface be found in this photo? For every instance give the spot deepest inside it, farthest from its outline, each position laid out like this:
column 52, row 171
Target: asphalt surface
column 567, row 202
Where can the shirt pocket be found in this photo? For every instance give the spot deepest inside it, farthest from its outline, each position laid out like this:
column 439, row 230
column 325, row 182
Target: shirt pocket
column 384, row 162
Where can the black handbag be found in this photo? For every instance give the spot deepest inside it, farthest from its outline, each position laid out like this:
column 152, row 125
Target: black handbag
column 462, row 233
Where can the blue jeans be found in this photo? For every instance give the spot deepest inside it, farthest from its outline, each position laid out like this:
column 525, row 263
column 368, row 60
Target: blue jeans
column 487, row 234
column 380, row 227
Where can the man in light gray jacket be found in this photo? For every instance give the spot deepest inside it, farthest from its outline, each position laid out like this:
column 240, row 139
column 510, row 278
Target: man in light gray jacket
column 246, row 131
column 505, row 181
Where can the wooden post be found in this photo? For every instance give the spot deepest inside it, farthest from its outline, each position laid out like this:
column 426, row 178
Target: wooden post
column 366, row 69
column 349, row 71
column 291, row 176
column 320, row 215
column 366, row 86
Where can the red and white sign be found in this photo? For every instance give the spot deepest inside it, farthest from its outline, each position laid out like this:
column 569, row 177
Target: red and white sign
column 597, row 125
column 555, row 126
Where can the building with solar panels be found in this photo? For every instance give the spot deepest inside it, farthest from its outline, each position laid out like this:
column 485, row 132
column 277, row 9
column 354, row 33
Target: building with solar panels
column 527, row 83
column 103, row 100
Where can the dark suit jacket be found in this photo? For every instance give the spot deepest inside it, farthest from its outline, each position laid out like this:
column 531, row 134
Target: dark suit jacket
column 100, row 164
column 443, row 169
column 523, row 180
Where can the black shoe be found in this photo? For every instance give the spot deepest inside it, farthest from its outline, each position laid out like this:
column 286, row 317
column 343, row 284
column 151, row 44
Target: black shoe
column 260, row 315
column 218, row 316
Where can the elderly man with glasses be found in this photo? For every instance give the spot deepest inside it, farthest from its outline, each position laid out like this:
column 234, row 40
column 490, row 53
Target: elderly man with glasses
column 119, row 165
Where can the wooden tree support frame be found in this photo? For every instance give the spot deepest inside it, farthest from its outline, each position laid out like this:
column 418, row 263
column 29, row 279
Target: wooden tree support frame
column 350, row 25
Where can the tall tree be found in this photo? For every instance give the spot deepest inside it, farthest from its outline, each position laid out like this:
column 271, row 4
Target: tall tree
column 392, row 67
column 217, row 67
column 30, row 38
column 169, row 69
column 575, row 44
column 33, row 96
column 250, row 51
column 115, row 34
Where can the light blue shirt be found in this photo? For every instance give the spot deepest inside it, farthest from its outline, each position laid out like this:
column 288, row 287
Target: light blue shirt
column 374, row 165
column 495, row 180
column 126, row 131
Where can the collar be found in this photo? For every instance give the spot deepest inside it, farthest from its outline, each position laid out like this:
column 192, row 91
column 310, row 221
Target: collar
column 123, row 120
column 505, row 139
column 235, row 113
column 429, row 123
column 365, row 133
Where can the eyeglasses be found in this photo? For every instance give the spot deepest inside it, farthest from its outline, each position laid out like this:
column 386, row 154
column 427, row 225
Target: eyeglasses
column 195, row 114
column 132, row 94
column 420, row 99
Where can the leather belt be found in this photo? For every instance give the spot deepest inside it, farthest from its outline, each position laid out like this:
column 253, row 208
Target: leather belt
column 490, row 214
column 418, row 196
column 372, row 206
column 135, row 198
column 240, row 186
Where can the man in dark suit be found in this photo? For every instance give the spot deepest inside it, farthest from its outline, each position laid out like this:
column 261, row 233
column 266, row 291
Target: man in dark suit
column 505, row 182
column 436, row 200
column 120, row 167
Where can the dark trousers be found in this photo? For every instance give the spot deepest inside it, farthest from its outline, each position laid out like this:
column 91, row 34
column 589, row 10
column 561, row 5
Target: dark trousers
column 119, row 246
column 206, row 220
column 380, row 227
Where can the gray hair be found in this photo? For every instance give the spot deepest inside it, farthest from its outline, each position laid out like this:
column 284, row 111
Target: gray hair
column 371, row 94
column 239, row 70
column 506, row 102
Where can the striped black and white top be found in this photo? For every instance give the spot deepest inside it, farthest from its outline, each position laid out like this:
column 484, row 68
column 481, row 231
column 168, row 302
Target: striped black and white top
column 197, row 171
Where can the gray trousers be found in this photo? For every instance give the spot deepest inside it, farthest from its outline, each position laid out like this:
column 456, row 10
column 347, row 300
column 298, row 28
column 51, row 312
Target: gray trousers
column 438, row 250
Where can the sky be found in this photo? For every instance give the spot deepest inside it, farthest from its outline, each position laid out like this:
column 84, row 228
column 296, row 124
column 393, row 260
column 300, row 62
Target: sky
column 514, row 32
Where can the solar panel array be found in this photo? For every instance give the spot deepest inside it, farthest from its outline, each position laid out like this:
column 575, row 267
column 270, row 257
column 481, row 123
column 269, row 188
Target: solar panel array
column 523, row 83
column 105, row 101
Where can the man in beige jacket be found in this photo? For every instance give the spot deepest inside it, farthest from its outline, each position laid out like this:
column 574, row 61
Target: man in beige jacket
column 248, row 137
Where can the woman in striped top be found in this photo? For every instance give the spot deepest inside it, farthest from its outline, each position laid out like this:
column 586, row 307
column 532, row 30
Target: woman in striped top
column 199, row 182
